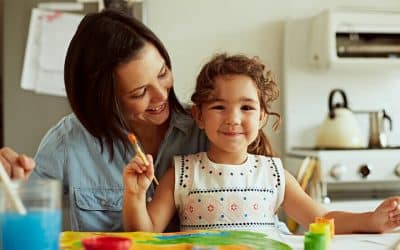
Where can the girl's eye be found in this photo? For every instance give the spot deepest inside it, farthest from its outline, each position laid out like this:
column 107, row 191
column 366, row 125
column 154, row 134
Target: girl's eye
column 218, row 107
column 247, row 107
column 139, row 94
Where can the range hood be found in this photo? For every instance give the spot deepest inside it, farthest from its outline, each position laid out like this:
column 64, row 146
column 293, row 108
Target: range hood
column 369, row 38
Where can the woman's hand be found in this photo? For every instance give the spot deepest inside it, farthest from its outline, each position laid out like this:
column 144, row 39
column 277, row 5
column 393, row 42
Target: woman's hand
column 386, row 216
column 17, row 166
column 137, row 176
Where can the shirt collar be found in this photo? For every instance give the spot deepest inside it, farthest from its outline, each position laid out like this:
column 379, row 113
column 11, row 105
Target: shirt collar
column 181, row 121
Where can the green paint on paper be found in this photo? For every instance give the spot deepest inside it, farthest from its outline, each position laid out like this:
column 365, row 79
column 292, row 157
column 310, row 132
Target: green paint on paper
column 257, row 241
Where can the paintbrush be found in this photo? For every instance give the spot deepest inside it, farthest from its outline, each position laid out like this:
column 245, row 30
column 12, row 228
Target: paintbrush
column 11, row 192
column 133, row 140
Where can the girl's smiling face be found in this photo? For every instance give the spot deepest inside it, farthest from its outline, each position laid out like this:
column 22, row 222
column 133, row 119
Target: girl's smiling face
column 231, row 119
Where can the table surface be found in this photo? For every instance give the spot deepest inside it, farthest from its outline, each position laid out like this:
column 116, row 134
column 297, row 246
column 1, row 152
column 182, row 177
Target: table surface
column 386, row 241
column 389, row 241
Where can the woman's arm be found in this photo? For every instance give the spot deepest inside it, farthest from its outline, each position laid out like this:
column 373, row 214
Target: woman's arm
column 303, row 209
column 155, row 217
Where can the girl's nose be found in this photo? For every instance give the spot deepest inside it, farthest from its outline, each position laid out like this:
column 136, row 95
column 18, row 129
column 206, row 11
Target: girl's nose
column 233, row 118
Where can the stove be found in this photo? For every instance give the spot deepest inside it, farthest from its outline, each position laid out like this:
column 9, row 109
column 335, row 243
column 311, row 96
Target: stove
column 355, row 165
column 351, row 179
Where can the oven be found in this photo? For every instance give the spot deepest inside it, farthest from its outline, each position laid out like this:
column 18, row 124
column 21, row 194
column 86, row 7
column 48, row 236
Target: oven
column 354, row 180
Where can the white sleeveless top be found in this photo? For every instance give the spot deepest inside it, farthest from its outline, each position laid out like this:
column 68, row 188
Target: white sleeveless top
column 228, row 197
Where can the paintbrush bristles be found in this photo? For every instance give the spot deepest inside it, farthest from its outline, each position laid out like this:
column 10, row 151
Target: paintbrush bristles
column 133, row 140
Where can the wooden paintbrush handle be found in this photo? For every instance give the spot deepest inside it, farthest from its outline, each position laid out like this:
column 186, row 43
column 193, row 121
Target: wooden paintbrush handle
column 145, row 161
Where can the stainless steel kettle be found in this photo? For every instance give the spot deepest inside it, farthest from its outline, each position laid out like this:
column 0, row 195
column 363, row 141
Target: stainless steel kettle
column 377, row 133
column 340, row 128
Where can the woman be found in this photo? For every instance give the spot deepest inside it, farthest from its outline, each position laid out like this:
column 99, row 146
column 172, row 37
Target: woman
column 118, row 80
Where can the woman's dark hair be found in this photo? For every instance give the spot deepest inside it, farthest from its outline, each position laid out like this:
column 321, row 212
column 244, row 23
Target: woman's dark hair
column 102, row 42
column 267, row 89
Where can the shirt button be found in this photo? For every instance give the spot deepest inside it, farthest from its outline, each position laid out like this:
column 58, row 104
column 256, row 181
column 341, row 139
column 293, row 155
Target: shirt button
column 149, row 199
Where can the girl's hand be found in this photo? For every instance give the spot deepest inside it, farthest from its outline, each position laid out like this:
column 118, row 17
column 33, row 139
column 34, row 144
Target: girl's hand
column 137, row 176
column 386, row 216
column 17, row 166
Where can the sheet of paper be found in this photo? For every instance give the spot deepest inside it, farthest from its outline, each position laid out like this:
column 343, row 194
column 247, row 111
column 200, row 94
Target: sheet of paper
column 30, row 66
column 49, row 35
column 57, row 30
column 47, row 83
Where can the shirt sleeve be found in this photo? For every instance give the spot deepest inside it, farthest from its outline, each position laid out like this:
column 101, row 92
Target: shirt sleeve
column 50, row 156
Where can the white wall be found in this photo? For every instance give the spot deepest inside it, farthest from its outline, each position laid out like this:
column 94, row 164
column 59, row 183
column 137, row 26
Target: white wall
column 193, row 30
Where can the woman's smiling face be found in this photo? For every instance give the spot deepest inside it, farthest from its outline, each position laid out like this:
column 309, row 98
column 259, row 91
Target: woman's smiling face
column 143, row 85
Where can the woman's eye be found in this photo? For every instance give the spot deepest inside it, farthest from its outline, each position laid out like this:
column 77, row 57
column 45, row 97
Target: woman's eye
column 139, row 94
column 164, row 72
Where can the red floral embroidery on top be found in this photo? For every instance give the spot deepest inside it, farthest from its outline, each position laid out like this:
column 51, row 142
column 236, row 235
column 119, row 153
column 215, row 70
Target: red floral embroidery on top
column 234, row 207
column 255, row 206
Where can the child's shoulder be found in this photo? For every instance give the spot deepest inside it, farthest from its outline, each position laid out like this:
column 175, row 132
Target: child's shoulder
column 266, row 158
column 199, row 154
column 190, row 157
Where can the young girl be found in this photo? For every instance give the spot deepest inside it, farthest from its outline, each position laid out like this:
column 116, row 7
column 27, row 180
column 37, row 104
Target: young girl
column 237, row 184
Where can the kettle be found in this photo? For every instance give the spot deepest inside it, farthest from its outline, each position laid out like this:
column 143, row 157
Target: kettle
column 377, row 135
column 340, row 128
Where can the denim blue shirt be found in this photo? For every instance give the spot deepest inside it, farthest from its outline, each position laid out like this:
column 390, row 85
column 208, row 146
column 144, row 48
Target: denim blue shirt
column 93, row 183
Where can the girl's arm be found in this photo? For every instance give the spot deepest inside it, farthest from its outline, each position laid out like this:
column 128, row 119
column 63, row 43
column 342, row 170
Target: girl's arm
column 299, row 205
column 155, row 217
column 384, row 218
column 303, row 209
column 162, row 207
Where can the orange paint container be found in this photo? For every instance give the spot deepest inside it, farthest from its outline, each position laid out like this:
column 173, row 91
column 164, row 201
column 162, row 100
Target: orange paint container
column 321, row 228
column 329, row 221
